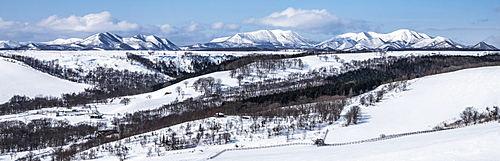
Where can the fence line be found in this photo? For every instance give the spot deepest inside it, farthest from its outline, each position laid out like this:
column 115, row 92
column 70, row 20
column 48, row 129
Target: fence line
column 259, row 147
column 382, row 137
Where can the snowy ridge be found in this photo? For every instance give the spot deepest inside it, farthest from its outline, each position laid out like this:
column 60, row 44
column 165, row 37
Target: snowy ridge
column 106, row 41
column 262, row 39
column 151, row 42
column 8, row 44
column 270, row 39
column 399, row 39
column 101, row 41
column 483, row 46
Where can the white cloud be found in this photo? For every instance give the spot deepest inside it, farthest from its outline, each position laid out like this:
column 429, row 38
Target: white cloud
column 193, row 26
column 99, row 22
column 5, row 24
column 232, row 27
column 298, row 18
column 12, row 25
column 74, row 26
column 217, row 26
column 167, row 29
column 223, row 26
column 315, row 21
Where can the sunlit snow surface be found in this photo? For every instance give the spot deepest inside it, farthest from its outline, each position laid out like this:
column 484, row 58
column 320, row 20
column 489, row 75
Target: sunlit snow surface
column 470, row 143
column 117, row 60
column 427, row 102
column 16, row 79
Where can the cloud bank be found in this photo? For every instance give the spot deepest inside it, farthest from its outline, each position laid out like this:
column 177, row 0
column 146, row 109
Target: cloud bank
column 54, row 27
column 89, row 23
column 314, row 21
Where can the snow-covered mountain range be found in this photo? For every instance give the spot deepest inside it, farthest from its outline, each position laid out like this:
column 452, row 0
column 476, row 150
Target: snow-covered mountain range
column 263, row 39
column 101, row 41
column 399, row 39
column 279, row 39
column 269, row 39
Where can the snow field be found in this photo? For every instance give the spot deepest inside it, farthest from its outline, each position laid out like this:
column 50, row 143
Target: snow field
column 478, row 142
column 116, row 59
column 18, row 79
column 432, row 101
column 427, row 102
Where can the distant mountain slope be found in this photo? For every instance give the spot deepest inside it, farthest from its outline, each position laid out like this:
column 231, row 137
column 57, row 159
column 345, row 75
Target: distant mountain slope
column 257, row 40
column 20, row 80
column 399, row 39
column 269, row 39
column 8, row 44
column 105, row 41
column 151, row 42
column 483, row 46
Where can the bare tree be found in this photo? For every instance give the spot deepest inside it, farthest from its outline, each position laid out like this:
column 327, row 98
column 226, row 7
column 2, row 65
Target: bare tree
column 125, row 101
column 469, row 115
column 353, row 115
column 178, row 89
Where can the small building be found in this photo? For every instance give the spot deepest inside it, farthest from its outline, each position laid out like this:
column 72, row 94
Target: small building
column 319, row 142
column 52, row 113
column 95, row 116
column 219, row 114
column 105, row 132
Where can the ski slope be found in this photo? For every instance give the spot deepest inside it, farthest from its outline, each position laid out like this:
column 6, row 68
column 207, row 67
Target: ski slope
column 17, row 79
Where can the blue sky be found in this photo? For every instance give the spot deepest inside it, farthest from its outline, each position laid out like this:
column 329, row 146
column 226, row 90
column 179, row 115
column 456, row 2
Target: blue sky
column 187, row 22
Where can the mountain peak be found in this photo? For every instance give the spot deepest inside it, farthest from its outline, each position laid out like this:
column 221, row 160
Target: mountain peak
column 149, row 42
column 399, row 39
column 99, row 41
column 269, row 39
column 8, row 44
column 484, row 46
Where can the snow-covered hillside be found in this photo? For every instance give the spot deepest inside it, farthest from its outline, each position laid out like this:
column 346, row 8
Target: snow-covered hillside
column 117, row 59
column 86, row 61
column 399, row 39
column 426, row 103
column 18, row 79
column 471, row 143
column 269, row 39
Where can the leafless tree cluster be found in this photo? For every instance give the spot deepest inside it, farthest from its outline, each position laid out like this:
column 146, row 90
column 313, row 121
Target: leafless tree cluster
column 17, row 136
column 353, row 115
column 208, row 85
